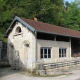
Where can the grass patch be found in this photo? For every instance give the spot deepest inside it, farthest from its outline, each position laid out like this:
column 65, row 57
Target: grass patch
column 54, row 75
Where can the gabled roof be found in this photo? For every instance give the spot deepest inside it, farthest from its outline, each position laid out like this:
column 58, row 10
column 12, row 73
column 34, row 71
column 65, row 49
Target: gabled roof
column 43, row 27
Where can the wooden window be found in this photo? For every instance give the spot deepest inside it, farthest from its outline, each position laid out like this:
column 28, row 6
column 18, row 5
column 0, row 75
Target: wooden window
column 62, row 52
column 45, row 52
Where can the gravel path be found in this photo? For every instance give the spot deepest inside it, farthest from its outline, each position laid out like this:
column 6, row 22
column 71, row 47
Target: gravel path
column 7, row 74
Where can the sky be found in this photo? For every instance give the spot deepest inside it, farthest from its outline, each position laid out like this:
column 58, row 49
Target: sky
column 69, row 1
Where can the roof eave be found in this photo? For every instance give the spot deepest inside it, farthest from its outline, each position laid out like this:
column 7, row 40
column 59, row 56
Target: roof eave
column 57, row 34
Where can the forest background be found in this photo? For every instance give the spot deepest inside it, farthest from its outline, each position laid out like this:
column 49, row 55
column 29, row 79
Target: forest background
column 49, row 11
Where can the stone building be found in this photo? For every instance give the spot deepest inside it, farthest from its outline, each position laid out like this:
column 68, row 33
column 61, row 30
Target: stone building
column 31, row 42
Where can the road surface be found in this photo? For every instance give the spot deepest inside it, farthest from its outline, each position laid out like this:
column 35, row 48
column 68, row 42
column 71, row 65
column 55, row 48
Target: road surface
column 8, row 74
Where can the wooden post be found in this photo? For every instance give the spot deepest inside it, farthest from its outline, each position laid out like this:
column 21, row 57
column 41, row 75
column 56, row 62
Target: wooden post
column 54, row 38
column 70, row 46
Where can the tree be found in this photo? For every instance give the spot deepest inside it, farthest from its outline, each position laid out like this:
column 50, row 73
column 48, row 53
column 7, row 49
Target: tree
column 72, row 16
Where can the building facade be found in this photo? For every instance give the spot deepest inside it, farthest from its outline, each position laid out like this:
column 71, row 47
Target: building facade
column 31, row 42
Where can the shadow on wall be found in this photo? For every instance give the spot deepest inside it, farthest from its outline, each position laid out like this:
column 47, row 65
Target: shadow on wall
column 17, row 58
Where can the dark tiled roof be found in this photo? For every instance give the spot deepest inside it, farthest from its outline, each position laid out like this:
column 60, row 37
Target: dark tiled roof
column 44, row 27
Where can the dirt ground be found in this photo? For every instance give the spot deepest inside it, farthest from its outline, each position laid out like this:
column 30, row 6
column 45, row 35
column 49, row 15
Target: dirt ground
column 8, row 74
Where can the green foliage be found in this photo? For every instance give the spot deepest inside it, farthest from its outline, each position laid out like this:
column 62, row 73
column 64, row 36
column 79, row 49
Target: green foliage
column 49, row 11
column 72, row 16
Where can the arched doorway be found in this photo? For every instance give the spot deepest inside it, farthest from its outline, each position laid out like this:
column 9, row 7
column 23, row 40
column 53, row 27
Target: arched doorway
column 27, row 54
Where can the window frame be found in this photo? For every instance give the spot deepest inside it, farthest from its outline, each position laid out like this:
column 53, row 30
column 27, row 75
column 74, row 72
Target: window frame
column 62, row 52
column 43, row 53
column 18, row 30
column 18, row 33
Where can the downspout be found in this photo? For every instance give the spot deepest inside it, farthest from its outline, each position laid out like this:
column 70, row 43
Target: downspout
column 35, row 51
column 35, row 46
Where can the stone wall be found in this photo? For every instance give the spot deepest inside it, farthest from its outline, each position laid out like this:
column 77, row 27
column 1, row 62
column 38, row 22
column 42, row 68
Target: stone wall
column 59, row 68
column 22, row 43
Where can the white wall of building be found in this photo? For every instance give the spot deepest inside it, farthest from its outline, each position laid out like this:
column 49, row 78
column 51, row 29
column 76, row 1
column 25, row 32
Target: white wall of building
column 55, row 45
column 18, row 42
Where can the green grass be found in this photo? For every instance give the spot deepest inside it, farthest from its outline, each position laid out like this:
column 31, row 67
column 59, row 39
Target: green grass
column 36, row 75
